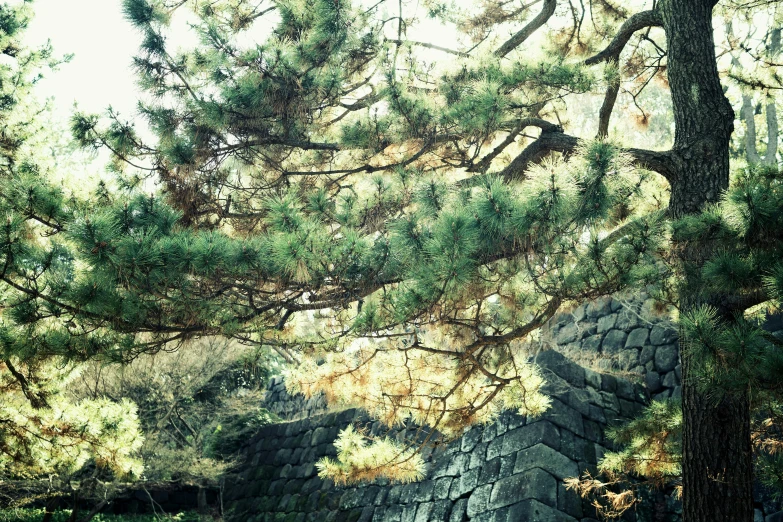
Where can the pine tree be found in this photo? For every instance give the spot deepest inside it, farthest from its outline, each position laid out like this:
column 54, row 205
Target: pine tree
column 344, row 201
column 43, row 429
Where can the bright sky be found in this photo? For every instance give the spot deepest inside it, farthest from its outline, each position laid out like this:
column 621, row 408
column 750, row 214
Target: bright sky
column 103, row 44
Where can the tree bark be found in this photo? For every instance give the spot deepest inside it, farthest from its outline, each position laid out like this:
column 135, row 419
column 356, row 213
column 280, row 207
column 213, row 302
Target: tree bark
column 717, row 465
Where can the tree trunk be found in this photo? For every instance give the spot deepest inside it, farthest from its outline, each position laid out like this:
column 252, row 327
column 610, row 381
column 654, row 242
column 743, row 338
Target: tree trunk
column 717, row 476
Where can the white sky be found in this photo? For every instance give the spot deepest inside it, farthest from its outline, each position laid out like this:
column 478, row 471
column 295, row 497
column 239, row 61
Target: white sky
column 103, row 44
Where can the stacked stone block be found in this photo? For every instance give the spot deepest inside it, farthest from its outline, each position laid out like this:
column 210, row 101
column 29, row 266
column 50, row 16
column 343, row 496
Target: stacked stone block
column 291, row 407
column 629, row 336
column 511, row 470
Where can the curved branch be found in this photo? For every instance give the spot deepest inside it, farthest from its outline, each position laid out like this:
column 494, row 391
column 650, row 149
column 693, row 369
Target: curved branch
column 523, row 34
column 636, row 22
column 553, row 139
column 605, row 114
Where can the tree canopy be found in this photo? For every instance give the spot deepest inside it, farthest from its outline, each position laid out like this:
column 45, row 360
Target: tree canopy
column 395, row 216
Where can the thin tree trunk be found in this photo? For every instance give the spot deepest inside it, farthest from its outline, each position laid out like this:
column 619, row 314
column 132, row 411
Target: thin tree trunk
column 50, row 508
column 717, row 477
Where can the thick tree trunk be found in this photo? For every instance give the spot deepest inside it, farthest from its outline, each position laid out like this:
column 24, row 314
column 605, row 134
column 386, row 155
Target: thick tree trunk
column 717, row 477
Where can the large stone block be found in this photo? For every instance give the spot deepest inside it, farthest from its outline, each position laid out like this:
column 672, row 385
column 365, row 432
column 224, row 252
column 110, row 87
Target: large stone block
column 544, row 457
column 606, row 323
column 567, row 334
column 533, row 484
column 666, row 358
column 568, row 501
column 541, row 431
column 592, row 344
column 562, row 367
column 441, row 489
column 637, row 338
column 459, row 510
column 599, row 308
column 479, row 500
column 534, row 511
column 663, row 334
column 614, row 342
column 565, row 417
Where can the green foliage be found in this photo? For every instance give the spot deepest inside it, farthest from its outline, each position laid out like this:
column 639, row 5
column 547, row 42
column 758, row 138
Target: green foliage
column 36, row 515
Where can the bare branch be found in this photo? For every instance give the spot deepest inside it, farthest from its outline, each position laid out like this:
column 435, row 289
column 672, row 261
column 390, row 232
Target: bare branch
column 636, row 22
column 523, row 34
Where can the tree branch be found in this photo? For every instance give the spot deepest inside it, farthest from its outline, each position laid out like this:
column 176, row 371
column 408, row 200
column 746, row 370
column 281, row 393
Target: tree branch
column 553, row 139
column 638, row 21
column 523, row 34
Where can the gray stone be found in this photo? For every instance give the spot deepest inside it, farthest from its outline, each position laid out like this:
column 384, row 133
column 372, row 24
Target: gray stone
column 628, row 359
column 465, row 483
column 495, row 448
column 423, row 512
column 452, row 467
column 600, row 307
column 613, row 342
column 544, row 457
column 678, row 372
column 625, row 390
column 576, row 448
column 597, row 414
column 534, row 511
column 533, row 484
column 441, row 490
column 578, row 400
column 666, row 358
column 677, row 393
column 393, row 514
column 568, row 501
column 579, row 313
column 606, row 323
column 479, row 500
column 592, row 344
column 424, row 490
column 627, row 320
column 758, row 516
column 647, row 355
column 565, row 417
column 593, row 379
column 663, row 334
column 409, row 513
column 605, row 365
column 567, row 334
column 459, row 510
column 653, row 382
column 562, row 367
column 670, row 380
column 478, row 455
column 440, row 511
column 488, row 433
column 637, row 338
column 665, row 394
column 320, row 436
column 506, row 466
column 366, row 515
column 540, row 431
column 490, row 471
column 593, row 431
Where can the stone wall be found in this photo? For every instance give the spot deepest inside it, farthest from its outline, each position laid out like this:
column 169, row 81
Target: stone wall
column 602, row 361
column 511, row 470
column 626, row 336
